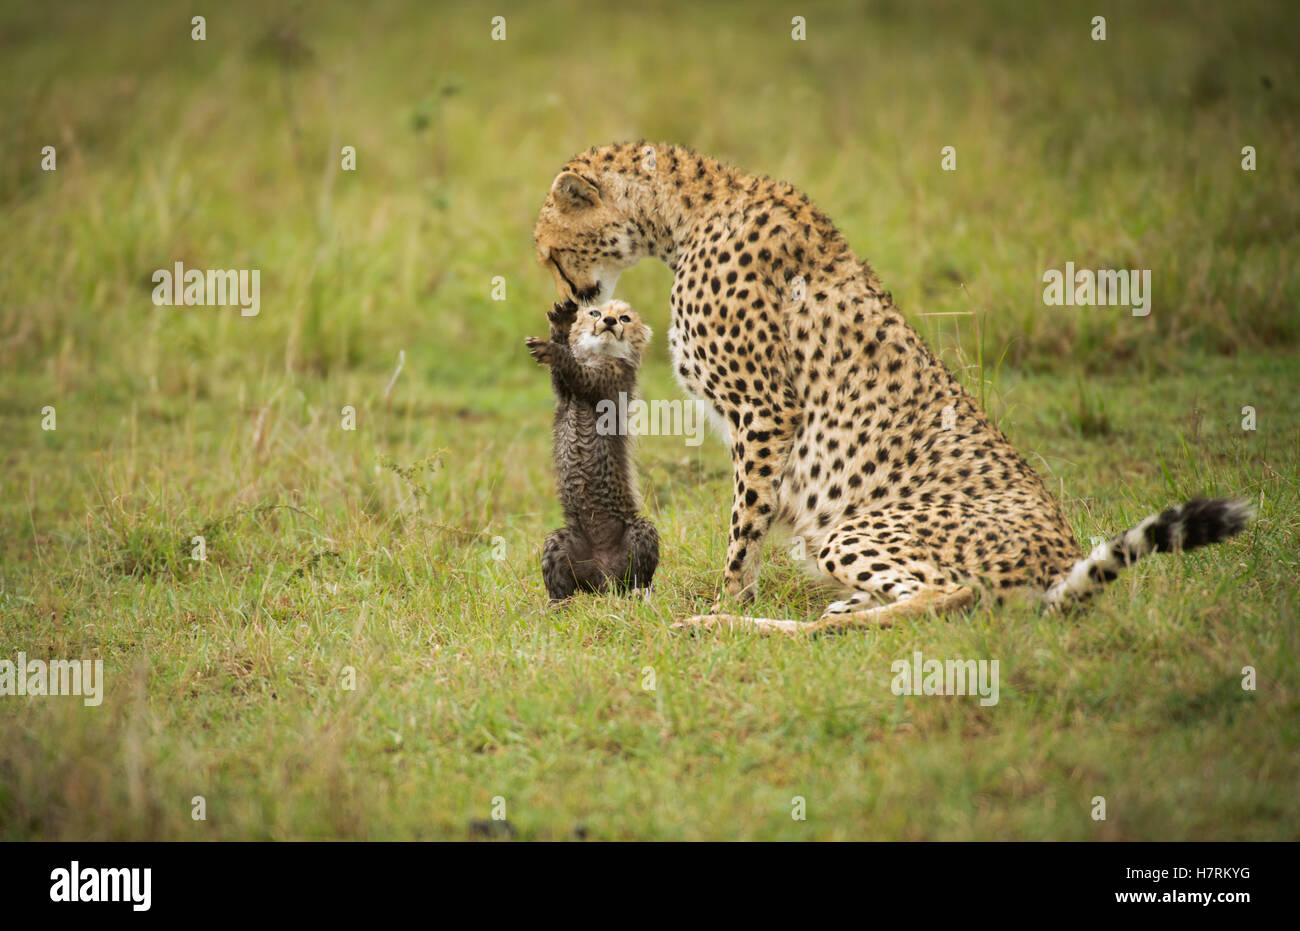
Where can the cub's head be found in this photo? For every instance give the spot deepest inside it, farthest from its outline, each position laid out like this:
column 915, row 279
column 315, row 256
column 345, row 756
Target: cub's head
column 612, row 329
column 584, row 237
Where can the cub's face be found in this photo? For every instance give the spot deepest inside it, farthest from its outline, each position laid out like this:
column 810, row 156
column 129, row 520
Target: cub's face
column 612, row 329
column 583, row 240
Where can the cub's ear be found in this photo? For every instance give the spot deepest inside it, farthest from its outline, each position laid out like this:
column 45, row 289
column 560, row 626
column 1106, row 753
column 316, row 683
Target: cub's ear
column 574, row 192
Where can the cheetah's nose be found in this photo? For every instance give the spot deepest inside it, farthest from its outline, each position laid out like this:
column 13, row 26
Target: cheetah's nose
column 609, row 322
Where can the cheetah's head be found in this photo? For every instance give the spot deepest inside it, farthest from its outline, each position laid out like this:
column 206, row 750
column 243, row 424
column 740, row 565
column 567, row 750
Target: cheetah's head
column 612, row 329
column 583, row 238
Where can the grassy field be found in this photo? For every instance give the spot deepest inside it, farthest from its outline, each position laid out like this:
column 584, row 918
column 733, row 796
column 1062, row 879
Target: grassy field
column 404, row 554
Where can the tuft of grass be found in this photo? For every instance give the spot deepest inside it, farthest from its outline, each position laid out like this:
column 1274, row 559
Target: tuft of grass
column 1089, row 417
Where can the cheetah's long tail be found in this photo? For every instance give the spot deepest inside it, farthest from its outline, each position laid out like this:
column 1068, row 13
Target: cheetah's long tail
column 1197, row 523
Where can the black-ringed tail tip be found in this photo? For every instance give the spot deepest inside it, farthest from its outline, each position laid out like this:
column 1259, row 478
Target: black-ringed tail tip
column 1190, row 526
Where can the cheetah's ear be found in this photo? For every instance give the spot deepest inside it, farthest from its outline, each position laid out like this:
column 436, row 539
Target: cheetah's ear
column 574, row 192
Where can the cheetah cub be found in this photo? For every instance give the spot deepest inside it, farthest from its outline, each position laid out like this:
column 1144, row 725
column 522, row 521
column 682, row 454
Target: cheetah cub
column 595, row 354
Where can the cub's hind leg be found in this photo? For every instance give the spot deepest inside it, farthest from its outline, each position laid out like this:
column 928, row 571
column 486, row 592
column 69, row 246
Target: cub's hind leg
column 641, row 541
column 567, row 564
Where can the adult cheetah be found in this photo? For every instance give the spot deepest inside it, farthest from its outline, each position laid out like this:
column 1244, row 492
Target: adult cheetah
column 842, row 423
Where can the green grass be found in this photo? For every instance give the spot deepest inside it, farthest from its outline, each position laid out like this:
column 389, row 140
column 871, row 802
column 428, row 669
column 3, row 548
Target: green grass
column 376, row 549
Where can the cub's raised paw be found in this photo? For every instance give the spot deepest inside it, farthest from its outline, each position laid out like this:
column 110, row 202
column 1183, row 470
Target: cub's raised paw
column 562, row 314
column 540, row 348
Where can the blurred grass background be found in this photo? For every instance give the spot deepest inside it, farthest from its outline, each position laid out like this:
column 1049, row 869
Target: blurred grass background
column 373, row 549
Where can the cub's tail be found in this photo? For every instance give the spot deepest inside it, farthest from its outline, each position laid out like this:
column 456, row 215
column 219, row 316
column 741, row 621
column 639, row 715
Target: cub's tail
column 1196, row 523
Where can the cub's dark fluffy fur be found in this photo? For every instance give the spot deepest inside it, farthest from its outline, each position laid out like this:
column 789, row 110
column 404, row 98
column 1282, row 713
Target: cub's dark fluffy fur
column 594, row 356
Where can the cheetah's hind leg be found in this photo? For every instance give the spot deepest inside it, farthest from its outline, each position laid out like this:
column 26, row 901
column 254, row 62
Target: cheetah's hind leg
column 843, row 615
column 761, row 625
column 890, row 574
column 846, row 615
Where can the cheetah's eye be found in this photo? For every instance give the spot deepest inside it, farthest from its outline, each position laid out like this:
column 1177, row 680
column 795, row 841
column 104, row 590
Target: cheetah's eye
column 594, row 313
column 625, row 318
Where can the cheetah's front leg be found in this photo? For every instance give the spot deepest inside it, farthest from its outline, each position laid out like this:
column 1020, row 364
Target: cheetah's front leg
column 758, row 451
